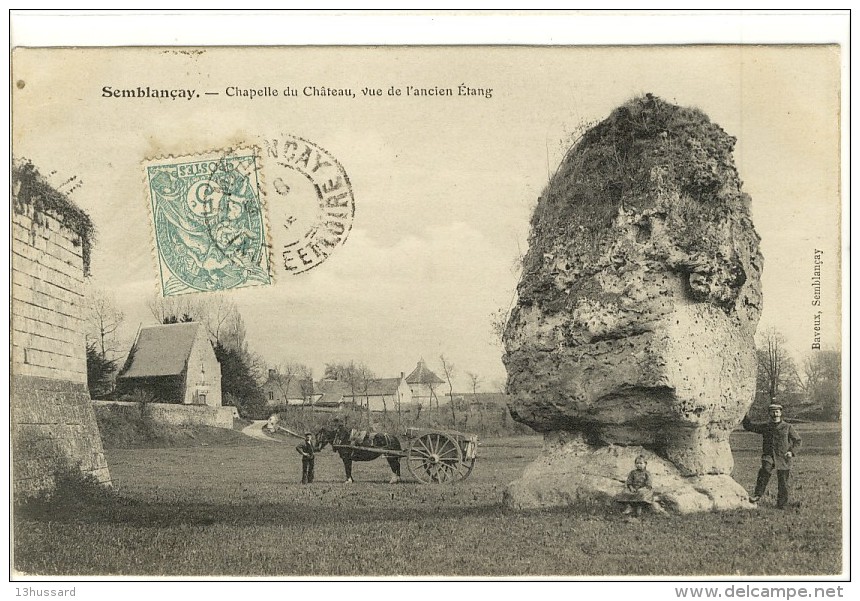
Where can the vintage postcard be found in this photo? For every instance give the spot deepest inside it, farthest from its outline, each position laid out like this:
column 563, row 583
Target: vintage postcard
column 410, row 311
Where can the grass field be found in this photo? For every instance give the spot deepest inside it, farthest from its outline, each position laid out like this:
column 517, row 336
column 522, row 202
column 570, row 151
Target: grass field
column 239, row 510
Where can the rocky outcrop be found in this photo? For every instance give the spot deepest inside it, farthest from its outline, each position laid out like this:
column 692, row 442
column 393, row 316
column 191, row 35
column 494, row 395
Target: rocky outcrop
column 639, row 301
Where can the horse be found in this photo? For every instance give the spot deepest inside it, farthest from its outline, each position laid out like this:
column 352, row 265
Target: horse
column 339, row 435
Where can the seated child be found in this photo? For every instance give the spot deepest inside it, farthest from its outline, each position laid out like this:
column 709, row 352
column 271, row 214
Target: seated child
column 638, row 492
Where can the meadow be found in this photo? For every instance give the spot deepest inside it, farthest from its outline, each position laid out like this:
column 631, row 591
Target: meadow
column 235, row 507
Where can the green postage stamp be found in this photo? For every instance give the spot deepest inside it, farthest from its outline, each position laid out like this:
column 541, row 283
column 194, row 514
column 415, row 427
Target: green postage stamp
column 208, row 222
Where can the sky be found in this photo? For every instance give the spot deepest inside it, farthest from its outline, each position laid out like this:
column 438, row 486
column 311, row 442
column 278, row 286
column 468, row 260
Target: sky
column 443, row 186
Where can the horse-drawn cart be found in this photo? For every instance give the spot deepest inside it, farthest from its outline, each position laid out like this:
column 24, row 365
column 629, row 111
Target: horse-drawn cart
column 433, row 456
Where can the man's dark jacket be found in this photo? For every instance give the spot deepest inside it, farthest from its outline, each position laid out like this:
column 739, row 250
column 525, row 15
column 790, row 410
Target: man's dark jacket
column 306, row 448
column 777, row 439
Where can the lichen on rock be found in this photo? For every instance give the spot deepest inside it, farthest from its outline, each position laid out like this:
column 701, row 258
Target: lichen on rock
column 640, row 292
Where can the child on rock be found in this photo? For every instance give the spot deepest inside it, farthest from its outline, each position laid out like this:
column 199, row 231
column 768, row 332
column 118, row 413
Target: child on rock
column 638, row 491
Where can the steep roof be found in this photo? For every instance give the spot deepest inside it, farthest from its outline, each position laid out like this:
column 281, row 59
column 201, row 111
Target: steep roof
column 375, row 387
column 161, row 350
column 331, row 387
column 379, row 387
column 422, row 375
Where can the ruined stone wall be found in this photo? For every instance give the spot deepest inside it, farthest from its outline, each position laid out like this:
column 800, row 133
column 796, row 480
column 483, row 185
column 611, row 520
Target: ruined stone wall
column 53, row 424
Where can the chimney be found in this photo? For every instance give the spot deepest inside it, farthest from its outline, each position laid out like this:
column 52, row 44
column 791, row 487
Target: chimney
column 271, row 373
column 402, row 375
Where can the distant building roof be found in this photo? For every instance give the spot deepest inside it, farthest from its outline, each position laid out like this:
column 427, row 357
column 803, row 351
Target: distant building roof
column 379, row 387
column 330, row 399
column 375, row 387
column 161, row 350
column 331, row 387
column 422, row 375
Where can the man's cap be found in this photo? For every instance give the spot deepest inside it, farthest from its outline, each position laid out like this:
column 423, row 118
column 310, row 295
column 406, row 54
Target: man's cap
column 774, row 406
column 309, row 433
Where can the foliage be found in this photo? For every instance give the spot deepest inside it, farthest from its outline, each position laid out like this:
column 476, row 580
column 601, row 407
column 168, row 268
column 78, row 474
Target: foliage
column 240, row 511
column 184, row 318
column 31, row 189
column 100, row 372
column 822, row 383
column 238, row 381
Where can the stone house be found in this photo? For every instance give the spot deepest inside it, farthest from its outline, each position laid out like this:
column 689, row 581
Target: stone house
column 382, row 394
column 174, row 363
column 53, row 426
column 422, row 384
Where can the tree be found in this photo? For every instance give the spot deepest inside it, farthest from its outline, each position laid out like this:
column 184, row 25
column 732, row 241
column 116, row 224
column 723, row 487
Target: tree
column 344, row 372
column 238, row 382
column 100, row 372
column 185, row 318
column 221, row 317
column 173, row 309
column 822, row 382
column 448, row 369
column 777, row 373
column 103, row 318
column 288, row 372
column 474, row 380
column 364, row 376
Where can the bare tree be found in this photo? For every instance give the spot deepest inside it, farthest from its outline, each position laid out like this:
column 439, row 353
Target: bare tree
column 103, row 318
column 217, row 311
column 172, row 309
column 364, row 377
column 777, row 372
column 344, row 372
column 233, row 333
column 288, row 372
column 474, row 380
column 448, row 369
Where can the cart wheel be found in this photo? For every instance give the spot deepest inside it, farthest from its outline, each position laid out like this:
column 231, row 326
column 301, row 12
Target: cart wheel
column 434, row 458
column 465, row 468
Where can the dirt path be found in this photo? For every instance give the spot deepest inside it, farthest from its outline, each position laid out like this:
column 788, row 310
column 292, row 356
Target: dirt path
column 255, row 430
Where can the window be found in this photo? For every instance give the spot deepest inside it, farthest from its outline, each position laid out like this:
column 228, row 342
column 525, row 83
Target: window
column 271, row 395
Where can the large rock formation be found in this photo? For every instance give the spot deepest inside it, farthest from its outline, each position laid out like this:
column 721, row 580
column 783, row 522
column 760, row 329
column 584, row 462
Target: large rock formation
column 637, row 310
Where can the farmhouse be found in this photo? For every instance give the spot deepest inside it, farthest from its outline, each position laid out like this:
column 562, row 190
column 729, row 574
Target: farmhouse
column 378, row 394
column 175, row 363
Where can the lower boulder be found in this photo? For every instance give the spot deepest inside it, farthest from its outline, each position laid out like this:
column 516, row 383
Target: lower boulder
column 572, row 472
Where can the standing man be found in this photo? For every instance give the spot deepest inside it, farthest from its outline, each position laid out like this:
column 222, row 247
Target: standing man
column 306, row 449
column 779, row 440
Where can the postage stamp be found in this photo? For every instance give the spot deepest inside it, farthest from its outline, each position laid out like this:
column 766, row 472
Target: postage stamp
column 310, row 201
column 208, row 221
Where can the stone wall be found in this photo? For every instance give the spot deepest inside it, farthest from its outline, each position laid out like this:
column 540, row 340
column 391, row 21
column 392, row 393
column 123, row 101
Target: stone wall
column 47, row 299
column 183, row 415
column 53, row 426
